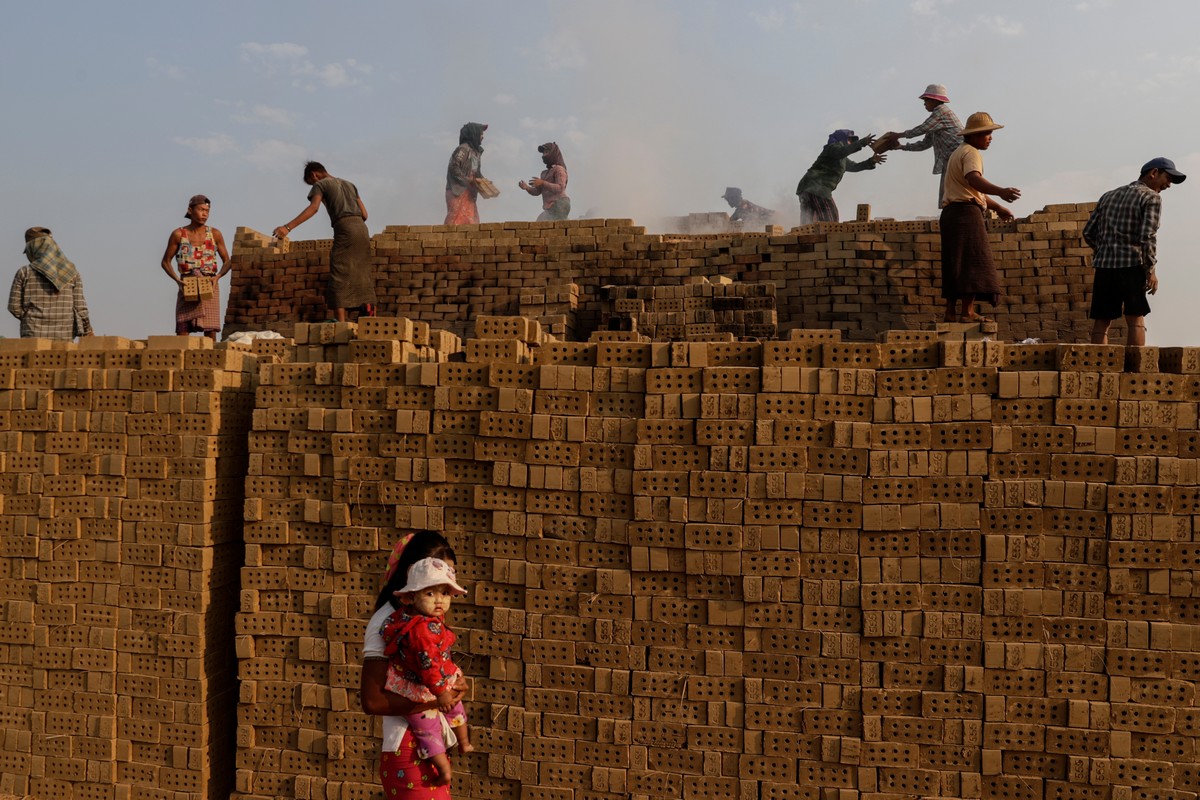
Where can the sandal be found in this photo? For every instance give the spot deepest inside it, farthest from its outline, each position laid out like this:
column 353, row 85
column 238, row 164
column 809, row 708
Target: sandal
column 976, row 318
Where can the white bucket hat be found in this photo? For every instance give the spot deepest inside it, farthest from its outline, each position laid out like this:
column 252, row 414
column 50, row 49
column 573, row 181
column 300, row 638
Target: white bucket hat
column 431, row 572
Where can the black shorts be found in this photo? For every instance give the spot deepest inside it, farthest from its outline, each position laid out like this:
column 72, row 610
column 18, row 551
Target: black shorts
column 1119, row 293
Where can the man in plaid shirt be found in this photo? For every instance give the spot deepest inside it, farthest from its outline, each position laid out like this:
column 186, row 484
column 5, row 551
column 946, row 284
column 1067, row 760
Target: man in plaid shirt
column 47, row 293
column 941, row 130
column 1123, row 232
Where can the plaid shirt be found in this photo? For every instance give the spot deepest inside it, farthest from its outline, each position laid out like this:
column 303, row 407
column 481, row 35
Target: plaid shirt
column 1123, row 230
column 942, row 132
column 46, row 312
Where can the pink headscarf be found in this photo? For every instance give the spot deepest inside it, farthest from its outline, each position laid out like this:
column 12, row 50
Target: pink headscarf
column 394, row 559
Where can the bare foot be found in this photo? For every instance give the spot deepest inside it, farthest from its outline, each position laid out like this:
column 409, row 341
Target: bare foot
column 465, row 747
column 442, row 764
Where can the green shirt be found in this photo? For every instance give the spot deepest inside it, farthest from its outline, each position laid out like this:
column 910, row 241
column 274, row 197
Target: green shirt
column 826, row 172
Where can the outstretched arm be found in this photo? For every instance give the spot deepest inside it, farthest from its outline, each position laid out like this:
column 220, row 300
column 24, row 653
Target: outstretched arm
column 283, row 230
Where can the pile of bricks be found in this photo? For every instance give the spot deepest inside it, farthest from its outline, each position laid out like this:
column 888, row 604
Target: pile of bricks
column 121, row 482
column 930, row 566
column 791, row 569
column 862, row 278
column 697, row 310
column 554, row 308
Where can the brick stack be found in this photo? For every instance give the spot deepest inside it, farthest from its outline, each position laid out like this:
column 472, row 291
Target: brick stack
column 697, row 310
column 863, row 278
column 554, row 307
column 332, row 464
column 119, row 549
column 791, row 569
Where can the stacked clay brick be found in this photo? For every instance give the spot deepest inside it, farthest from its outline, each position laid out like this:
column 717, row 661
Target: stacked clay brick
column 795, row 569
column 862, row 278
column 121, row 480
column 697, row 310
column 554, row 307
column 330, row 445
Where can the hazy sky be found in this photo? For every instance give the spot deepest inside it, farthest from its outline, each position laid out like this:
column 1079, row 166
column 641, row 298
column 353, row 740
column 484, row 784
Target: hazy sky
column 116, row 113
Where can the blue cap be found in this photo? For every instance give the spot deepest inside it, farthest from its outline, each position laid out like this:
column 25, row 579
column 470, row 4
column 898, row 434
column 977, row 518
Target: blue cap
column 1165, row 165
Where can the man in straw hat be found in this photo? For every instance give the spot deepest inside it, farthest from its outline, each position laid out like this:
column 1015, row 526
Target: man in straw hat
column 47, row 293
column 941, row 131
column 1123, row 231
column 968, row 271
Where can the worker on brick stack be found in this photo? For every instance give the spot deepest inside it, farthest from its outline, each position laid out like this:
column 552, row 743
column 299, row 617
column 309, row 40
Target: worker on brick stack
column 47, row 293
column 745, row 213
column 351, row 276
column 941, row 130
column 968, row 271
column 195, row 249
column 552, row 185
column 463, row 174
column 818, row 184
column 1123, row 232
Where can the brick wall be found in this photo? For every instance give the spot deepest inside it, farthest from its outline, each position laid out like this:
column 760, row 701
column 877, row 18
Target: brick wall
column 862, row 278
column 121, row 483
column 792, row 569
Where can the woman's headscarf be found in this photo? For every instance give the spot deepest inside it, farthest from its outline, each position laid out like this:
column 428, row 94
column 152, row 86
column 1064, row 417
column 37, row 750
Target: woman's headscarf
column 551, row 155
column 397, row 551
column 841, row 136
column 472, row 134
column 47, row 259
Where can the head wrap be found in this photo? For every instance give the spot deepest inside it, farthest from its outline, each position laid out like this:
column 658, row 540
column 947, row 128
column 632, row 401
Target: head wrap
column 472, row 134
column 733, row 195
column 551, row 154
column 197, row 200
column 840, row 136
column 48, row 260
column 394, row 559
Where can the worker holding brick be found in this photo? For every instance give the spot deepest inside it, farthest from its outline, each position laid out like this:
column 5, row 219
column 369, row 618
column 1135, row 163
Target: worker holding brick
column 47, row 293
column 351, row 276
column 1123, row 232
column 195, row 248
column 405, row 774
column 463, row 176
column 941, row 130
column 968, row 270
column 552, row 185
column 816, row 188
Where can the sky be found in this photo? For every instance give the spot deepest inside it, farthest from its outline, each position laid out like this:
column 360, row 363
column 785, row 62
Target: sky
column 117, row 113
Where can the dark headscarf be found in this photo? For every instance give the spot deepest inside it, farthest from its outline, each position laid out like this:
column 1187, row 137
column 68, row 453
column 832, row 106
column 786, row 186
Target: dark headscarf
column 841, row 136
column 472, row 134
column 733, row 195
column 551, row 155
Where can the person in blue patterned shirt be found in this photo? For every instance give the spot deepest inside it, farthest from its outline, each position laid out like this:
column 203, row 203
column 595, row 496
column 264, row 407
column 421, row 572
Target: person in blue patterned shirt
column 1123, row 232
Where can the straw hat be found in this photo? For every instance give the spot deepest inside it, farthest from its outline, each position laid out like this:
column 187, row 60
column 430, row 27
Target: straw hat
column 980, row 122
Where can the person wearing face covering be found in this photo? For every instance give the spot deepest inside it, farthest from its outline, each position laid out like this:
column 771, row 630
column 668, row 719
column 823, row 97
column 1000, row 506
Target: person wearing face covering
column 816, row 187
column 552, row 185
column 47, row 293
column 462, row 176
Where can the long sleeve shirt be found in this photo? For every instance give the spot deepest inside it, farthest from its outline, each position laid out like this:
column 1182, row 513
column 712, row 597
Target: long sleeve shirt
column 45, row 312
column 1123, row 230
column 942, row 131
column 554, row 185
column 827, row 171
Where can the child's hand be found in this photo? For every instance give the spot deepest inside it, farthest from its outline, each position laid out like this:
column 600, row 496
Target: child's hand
column 446, row 701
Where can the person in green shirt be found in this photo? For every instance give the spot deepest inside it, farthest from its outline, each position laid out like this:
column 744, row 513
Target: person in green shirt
column 816, row 187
